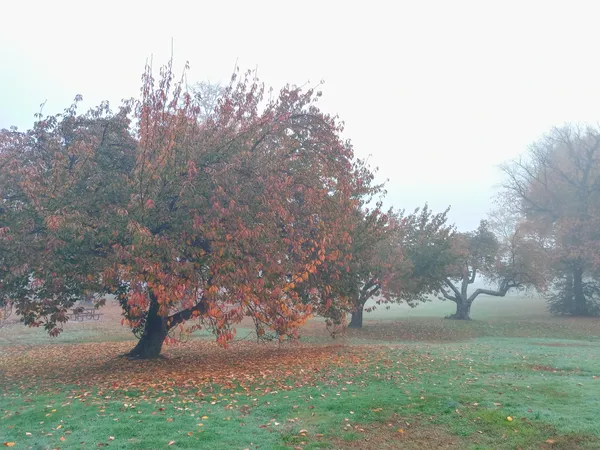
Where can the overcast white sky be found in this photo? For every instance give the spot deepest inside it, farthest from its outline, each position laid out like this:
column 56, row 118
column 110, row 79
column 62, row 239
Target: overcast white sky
column 438, row 92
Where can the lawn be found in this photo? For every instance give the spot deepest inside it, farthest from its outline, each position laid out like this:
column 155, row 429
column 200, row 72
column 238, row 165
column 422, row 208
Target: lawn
column 512, row 378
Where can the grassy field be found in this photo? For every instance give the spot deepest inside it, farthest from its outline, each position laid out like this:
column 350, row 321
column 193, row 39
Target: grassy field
column 512, row 378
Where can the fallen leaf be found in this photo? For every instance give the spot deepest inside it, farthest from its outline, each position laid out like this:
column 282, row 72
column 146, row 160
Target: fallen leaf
column 9, row 444
column 400, row 430
column 171, row 442
column 550, row 441
column 111, row 438
column 27, row 433
column 62, row 438
column 303, row 432
column 509, row 419
column 204, row 417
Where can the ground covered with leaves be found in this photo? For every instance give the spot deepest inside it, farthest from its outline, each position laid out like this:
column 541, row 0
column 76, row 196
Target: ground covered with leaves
column 416, row 383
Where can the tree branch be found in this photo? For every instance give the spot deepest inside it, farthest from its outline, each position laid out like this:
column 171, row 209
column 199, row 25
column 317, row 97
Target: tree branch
column 448, row 296
column 187, row 314
column 454, row 289
column 504, row 288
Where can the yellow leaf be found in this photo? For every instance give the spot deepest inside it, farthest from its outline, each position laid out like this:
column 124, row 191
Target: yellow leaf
column 400, row 430
column 190, row 433
column 204, row 417
column 9, row 444
column 59, row 427
column 509, row 419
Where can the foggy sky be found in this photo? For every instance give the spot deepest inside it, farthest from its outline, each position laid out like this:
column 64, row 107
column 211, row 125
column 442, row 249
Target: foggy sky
column 438, row 93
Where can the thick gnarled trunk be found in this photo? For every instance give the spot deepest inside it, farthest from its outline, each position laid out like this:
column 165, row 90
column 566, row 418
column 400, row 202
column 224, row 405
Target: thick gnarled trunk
column 464, row 301
column 155, row 332
column 463, row 310
column 157, row 327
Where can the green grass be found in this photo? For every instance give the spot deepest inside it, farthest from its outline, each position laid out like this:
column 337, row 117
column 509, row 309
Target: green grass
column 420, row 382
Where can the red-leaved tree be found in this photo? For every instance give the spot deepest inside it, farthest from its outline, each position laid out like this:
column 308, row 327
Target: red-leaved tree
column 188, row 217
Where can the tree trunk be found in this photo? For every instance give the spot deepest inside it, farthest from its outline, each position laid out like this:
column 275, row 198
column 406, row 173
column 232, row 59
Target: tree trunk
column 357, row 317
column 155, row 332
column 580, row 307
column 463, row 309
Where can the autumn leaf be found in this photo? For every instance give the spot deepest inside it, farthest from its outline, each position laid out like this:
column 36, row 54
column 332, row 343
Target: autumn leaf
column 171, row 443
column 9, row 444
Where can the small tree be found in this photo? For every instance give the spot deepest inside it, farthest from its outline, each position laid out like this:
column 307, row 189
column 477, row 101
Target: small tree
column 512, row 263
column 396, row 257
column 377, row 261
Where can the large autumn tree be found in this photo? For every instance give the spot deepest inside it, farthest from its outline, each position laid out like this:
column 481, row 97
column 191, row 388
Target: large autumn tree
column 188, row 215
column 555, row 188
